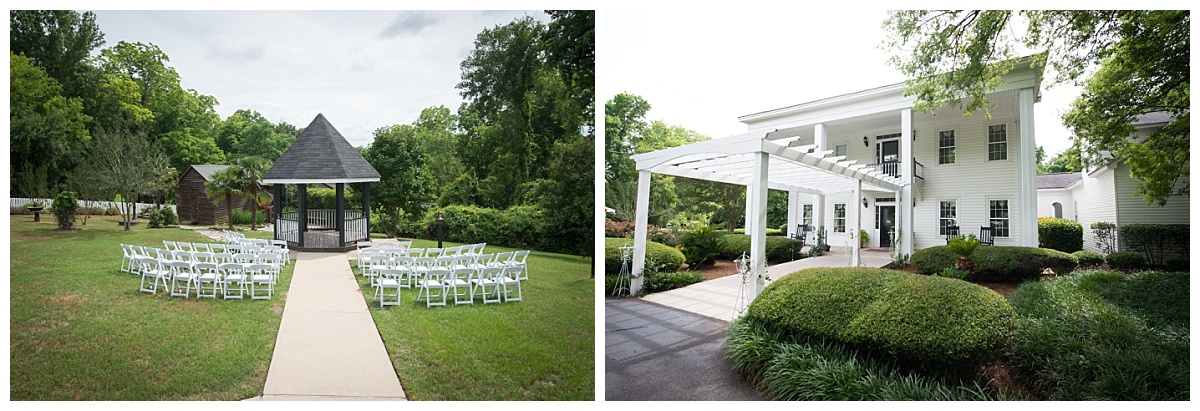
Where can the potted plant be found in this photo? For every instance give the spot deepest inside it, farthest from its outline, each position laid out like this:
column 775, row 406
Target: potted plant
column 863, row 238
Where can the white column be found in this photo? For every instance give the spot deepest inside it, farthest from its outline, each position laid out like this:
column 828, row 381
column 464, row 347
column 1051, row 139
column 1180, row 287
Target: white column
column 905, row 201
column 818, row 215
column 1026, row 172
column 856, row 205
column 642, row 218
column 793, row 211
column 758, row 241
column 749, row 210
column 819, row 137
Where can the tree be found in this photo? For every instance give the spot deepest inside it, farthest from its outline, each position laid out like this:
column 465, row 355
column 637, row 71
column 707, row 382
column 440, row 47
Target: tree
column 434, row 129
column 955, row 57
column 568, row 200
column 47, row 129
column 223, row 185
column 570, row 43
column 406, row 188
column 1066, row 161
column 58, row 41
column 624, row 124
column 185, row 149
column 247, row 173
column 124, row 163
column 261, row 140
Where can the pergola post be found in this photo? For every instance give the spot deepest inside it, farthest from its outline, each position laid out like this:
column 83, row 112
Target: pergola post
column 641, row 217
column 855, row 253
column 906, row 200
column 1026, row 172
column 818, row 215
column 302, row 212
column 793, row 210
column 758, row 240
column 341, row 213
column 749, row 211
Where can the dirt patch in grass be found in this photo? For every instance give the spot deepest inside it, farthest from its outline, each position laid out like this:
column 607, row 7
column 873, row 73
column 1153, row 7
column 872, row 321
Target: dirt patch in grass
column 718, row 269
column 1000, row 379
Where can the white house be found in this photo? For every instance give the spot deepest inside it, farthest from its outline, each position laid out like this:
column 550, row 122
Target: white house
column 867, row 159
column 1106, row 193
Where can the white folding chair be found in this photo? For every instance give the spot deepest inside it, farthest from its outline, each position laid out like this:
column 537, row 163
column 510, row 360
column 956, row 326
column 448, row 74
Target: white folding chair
column 414, row 252
column 233, row 278
column 126, row 258
column 433, row 252
column 170, row 245
column 508, row 279
column 185, row 246
column 152, row 273
column 260, row 280
column 485, row 283
column 435, row 280
column 459, row 281
column 518, row 260
column 407, row 265
column 216, row 247
column 207, row 274
column 201, row 247
column 182, row 278
column 389, row 279
column 502, row 259
column 282, row 248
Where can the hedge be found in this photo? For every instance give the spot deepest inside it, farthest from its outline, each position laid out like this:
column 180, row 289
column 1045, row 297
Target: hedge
column 1089, row 258
column 779, row 249
column 1155, row 241
column 516, row 227
column 666, row 257
column 1125, row 260
column 1060, row 234
column 998, row 263
column 926, row 321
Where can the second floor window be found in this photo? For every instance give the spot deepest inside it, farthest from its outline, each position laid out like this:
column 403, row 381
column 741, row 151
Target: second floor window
column 839, row 150
column 997, row 142
column 946, row 147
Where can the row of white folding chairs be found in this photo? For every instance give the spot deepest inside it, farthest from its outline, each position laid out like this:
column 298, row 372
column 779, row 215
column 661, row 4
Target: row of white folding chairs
column 371, row 264
column 366, row 253
column 494, row 284
column 257, row 246
column 131, row 252
column 384, row 244
column 180, row 278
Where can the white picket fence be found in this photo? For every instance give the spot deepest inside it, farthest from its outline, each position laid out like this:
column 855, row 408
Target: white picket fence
column 21, row 202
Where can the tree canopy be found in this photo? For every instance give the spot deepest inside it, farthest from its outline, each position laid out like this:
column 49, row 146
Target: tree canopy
column 1130, row 62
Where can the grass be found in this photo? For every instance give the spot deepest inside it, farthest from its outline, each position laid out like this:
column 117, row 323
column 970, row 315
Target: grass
column 80, row 330
column 1104, row 335
column 539, row 348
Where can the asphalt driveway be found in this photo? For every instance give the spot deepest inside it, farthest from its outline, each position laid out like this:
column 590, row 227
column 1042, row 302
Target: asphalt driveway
column 653, row 352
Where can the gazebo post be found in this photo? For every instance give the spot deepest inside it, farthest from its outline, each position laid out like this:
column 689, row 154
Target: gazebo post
column 277, row 205
column 366, row 210
column 302, row 213
column 341, row 214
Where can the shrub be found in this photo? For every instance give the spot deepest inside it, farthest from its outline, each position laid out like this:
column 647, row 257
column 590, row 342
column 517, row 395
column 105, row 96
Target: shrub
column 933, row 259
column 964, row 246
column 242, row 217
column 770, row 231
column 1178, row 265
column 156, row 218
column 699, row 245
column 619, row 229
column 659, row 257
column 671, row 280
column 1089, row 258
column 998, row 263
column 516, row 227
column 662, row 235
column 1126, row 260
column 112, row 210
column 920, row 320
column 1106, row 236
column 64, row 207
column 1060, row 234
column 1156, row 240
column 778, row 249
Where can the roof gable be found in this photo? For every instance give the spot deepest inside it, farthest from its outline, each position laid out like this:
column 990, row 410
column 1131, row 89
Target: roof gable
column 206, row 171
column 320, row 154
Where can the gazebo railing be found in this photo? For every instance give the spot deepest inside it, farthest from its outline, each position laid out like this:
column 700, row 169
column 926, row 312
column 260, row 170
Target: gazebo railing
column 287, row 226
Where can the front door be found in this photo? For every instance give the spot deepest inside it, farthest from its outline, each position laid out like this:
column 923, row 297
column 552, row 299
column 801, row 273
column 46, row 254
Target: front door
column 887, row 225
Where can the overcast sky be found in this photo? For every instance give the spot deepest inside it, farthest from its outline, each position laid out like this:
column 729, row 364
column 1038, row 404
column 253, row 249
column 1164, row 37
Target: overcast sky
column 362, row 69
column 701, row 69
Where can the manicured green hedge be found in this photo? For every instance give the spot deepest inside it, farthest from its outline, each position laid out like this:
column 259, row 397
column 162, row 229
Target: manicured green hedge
column 666, row 257
column 770, row 231
column 998, row 263
column 921, row 320
column 1089, row 258
column 779, row 249
column 1155, row 241
column 671, row 280
column 1126, row 260
column 516, row 227
column 1060, row 234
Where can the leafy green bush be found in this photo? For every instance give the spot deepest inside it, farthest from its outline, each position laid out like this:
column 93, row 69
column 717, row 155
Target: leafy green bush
column 64, row 207
column 1126, row 260
column 1103, row 335
column 770, row 231
column 998, row 263
column 1060, row 234
column 1156, row 240
column 1178, row 265
column 156, row 218
column 1106, row 236
column 699, row 246
column 671, row 280
column 659, row 257
column 778, row 249
column 926, row 321
column 517, row 227
column 933, row 260
column 242, row 217
column 1088, row 258
column 112, row 210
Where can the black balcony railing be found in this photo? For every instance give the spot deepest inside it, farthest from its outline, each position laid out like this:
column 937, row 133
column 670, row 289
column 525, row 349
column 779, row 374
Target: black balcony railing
column 892, row 168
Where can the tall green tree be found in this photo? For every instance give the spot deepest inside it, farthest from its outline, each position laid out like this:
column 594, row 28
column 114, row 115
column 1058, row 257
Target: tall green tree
column 125, row 164
column 624, row 125
column 248, row 172
column 405, row 188
column 58, row 41
column 222, row 185
column 570, row 44
column 953, row 58
column 47, row 130
column 1066, row 161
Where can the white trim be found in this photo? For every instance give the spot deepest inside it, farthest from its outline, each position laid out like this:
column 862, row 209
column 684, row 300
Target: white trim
column 318, row 181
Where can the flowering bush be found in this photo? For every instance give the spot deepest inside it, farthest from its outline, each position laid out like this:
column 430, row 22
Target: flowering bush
column 618, row 229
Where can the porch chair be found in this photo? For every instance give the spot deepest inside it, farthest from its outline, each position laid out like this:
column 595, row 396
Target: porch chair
column 986, row 235
column 951, row 233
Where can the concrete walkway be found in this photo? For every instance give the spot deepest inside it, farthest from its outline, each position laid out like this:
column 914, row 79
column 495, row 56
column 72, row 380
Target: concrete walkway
column 328, row 347
column 718, row 298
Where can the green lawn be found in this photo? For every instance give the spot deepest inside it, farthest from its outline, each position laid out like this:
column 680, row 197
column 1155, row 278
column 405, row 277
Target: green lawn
column 540, row 348
column 80, row 330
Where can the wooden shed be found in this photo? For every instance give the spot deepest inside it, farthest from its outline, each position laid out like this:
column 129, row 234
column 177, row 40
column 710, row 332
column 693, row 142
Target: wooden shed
column 196, row 208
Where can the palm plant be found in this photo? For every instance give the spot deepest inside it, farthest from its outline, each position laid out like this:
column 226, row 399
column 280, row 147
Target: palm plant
column 223, row 184
column 963, row 246
column 250, row 171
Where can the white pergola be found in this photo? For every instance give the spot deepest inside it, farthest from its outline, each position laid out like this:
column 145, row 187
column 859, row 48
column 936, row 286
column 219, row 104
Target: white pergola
column 769, row 159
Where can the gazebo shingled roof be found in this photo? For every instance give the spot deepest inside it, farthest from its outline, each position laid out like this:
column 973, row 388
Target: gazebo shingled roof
column 320, row 155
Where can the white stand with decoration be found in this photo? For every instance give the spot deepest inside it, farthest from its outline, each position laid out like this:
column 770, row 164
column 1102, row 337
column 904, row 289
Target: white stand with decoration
column 623, row 277
column 742, row 302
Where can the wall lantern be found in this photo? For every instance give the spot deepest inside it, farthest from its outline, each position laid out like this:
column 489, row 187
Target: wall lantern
column 866, row 142
column 864, row 202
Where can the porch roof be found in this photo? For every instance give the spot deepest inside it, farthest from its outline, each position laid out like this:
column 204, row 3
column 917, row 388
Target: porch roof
column 792, row 166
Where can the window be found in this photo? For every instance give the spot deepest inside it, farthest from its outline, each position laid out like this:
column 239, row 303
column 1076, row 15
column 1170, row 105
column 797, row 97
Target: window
column 1057, row 210
column 839, row 218
column 839, row 150
column 947, row 215
column 808, row 215
column 997, row 142
column 998, row 217
column 946, row 147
